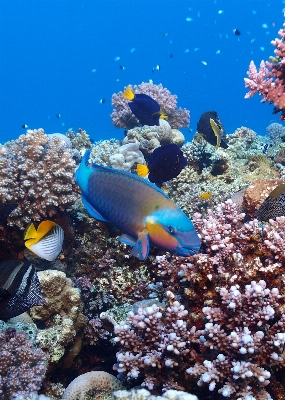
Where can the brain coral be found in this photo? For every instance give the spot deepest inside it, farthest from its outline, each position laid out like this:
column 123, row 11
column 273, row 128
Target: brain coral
column 36, row 172
column 94, row 383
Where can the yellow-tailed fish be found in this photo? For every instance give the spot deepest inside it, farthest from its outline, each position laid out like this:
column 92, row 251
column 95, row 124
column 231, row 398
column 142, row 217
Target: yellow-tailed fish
column 205, row 196
column 142, row 170
column 144, row 107
column 145, row 215
column 45, row 241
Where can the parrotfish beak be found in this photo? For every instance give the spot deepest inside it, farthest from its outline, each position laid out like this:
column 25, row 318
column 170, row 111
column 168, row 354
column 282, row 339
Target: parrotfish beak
column 173, row 232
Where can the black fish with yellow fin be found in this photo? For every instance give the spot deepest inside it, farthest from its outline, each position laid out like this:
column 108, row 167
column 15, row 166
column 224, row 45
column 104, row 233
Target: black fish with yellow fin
column 144, row 107
column 211, row 128
column 19, row 288
column 165, row 163
column 273, row 206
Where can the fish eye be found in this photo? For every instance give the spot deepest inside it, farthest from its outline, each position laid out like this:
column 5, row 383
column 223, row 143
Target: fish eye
column 171, row 230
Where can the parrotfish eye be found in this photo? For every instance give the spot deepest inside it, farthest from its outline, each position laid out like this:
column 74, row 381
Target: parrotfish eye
column 171, row 230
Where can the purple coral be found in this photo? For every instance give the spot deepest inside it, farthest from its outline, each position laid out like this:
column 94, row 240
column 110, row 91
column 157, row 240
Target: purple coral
column 22, row 366
column 123, row 117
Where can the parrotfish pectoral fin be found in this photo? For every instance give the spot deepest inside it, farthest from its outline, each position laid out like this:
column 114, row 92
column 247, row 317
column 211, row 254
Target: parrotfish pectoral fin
column 92, row 210
column 127, row 240
column 141, row 248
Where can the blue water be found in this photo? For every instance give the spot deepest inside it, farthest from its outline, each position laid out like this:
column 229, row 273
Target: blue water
column 58, row 57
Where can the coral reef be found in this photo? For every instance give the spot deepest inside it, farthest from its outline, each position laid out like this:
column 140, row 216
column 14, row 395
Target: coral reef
column 22, row 366
column 269, row 80
column 95, row 384
column 122, row 116
column 139, row 394
column 61, row 313
column 37, row 174
column 239, row 342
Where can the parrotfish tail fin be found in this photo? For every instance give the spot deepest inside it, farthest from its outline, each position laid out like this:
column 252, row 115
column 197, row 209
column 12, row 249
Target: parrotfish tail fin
column 142, row 170
column 128, row 94
column 217, row 132
column 141, row 248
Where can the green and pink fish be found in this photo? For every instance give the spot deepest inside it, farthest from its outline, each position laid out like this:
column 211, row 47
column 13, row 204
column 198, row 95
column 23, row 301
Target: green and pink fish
column 142, row 211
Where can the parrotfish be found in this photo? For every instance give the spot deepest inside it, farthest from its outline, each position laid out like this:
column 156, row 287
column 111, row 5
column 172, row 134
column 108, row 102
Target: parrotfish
column 142, row 211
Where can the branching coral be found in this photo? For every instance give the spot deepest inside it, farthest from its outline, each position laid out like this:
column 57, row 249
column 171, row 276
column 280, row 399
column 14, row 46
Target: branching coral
column 22, row 366
column 241, row 343
column 154, row 340
column 36, row 172
column 123, row 117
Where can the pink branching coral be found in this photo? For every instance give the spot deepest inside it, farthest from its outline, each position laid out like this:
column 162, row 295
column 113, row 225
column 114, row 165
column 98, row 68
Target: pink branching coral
column 269, row 81
column 36, row 172
column 123, row 117
column 242, row 342
column 154, row 343
column 22, row 366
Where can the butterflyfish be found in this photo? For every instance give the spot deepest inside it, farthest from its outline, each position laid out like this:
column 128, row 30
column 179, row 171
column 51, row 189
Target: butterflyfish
column 165, row 163
column 143, row 212
column 145, row 108
column 212, row 130
column 273, row 206
column 19, row 288
column 46, row 241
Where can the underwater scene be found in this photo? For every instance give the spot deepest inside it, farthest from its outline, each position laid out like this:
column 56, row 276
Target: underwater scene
column 142, row 200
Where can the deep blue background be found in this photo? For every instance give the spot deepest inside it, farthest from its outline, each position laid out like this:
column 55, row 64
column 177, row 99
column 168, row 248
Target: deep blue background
column 48, row 49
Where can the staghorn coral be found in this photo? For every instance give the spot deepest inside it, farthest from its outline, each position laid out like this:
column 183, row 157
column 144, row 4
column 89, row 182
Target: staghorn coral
column 123, row 117
column 22, row 366
column 239, row 343
column 36, row 172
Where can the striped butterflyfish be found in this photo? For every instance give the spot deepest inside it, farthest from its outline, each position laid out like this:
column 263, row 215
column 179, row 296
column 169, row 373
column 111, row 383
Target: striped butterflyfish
column 19, row 288
column 45, row 241
column 273, row 206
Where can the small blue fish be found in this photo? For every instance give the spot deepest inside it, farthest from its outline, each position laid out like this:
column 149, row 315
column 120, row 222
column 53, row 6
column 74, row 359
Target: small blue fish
column 138, row 208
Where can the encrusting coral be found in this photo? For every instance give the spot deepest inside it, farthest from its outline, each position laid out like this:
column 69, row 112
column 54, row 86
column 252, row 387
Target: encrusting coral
column 62, row 311
column 37, row 173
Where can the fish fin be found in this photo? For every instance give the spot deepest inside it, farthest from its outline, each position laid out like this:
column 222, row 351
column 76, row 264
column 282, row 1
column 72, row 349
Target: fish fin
column 31, row 232
column 4, row 294
column 128, row 94
column 217, row 132
column 50, row 246
column 142, row 170
column 141, row 248
column 127, row 240
column 163, row 116
column 92, row 210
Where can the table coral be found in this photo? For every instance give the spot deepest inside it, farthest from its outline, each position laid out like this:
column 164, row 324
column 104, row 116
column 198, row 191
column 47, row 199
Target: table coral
column 22, row 365
column 123, row 117
column 36, row 172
